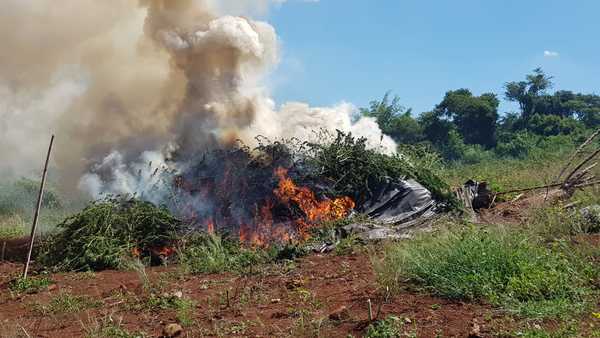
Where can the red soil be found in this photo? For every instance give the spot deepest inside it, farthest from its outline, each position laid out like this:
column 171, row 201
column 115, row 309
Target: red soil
column 273, row 303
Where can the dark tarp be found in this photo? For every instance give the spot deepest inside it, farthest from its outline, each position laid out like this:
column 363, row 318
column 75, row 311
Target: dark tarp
column 398, row 202
column 395, row 208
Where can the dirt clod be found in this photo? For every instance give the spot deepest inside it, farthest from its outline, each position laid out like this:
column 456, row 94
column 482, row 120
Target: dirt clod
column 340, row 314
column 172, row 330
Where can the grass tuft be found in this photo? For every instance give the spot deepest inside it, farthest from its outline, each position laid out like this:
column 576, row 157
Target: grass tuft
column 204, row 253
column 66, row 302
column 29, row 285
column 390, row 327
column 108, row 327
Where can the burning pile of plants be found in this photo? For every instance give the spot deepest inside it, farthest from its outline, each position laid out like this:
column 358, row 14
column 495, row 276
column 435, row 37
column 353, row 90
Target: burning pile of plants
column 276, row 193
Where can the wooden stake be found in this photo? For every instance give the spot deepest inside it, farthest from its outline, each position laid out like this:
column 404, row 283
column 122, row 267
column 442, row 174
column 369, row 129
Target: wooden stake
column 37, row 209
column 370, row 309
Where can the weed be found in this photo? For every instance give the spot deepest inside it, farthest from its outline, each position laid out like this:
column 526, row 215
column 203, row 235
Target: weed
column 108, row 327
column 391, row 327
column 347, row 245
column 566, row 331
column 509, row 269
column 231, row 328
column 213, row 254
column 307, row 326
column 12, row 227
column 29, row 285
column 66, row 302
column 185, row 311
column 87, row 275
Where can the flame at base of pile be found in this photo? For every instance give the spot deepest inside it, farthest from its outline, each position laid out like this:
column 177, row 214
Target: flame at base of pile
column 285, row 213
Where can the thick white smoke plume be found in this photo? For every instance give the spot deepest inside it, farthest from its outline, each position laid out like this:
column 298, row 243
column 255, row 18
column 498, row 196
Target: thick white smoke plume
column 116, row 79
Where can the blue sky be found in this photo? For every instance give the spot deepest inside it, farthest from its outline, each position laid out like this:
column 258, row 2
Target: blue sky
column 356, row 50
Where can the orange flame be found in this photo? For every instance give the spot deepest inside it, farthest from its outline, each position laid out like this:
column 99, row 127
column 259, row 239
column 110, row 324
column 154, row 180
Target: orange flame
column 315, row 210
column 136, row 252
column 264, row 230
column 164, row 251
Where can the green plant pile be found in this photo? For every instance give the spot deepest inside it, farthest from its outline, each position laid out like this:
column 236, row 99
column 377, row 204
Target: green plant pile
column 508, row 269
column 352, row 169
column 105, row 233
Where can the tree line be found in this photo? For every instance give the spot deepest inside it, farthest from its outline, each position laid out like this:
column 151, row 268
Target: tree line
column 465, row 126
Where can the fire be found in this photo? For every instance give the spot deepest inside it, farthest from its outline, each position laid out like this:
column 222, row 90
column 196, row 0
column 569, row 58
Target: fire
column 164, row 251
column 316, row 211
column 272, row 217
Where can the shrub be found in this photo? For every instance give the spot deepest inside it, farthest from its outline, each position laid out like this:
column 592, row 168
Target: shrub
column 507, row 269
column 105, row 232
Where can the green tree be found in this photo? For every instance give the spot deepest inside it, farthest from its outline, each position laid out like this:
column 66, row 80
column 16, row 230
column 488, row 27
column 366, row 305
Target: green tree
column 527, row 93
column 436, row 129
column 395, row 120
column 475, row 117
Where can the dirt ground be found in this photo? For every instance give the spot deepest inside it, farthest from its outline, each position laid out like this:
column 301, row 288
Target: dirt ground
column 321, row 295
column 325, row 295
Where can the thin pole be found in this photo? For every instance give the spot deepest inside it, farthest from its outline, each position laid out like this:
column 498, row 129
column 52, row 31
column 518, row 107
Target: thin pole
column 37, row 209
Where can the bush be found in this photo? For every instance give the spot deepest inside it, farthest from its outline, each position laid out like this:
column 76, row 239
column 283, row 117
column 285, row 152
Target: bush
column 511, row 270
column 105, row 232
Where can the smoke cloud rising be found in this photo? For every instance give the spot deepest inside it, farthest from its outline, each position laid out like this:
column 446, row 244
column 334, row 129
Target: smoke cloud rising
column 124, row 82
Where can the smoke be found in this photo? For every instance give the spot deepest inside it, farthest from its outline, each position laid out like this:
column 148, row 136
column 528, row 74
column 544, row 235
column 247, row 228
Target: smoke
column 116, row 79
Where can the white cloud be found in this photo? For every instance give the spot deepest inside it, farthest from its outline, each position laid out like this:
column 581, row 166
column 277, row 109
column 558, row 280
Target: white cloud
column 550, row 54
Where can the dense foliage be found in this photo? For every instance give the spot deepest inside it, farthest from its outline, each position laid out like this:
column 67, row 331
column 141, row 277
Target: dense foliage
column 469, row 128
column 108, row 231
column 354, row 170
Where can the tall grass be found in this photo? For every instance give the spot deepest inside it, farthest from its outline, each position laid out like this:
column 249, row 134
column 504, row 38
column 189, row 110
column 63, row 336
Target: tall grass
column 202, row 253
column 509, row 269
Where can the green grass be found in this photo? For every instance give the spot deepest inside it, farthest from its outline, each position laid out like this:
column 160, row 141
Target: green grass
column 203, row 253
column 12, row 227
column 512, row 270
column 108, row 327
column 29, row 285
column 66, row 302
column 390, row 327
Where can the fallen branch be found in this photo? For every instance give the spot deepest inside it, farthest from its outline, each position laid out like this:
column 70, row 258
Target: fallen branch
column 554, row 185
column 586, row 160
column 577, row 152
